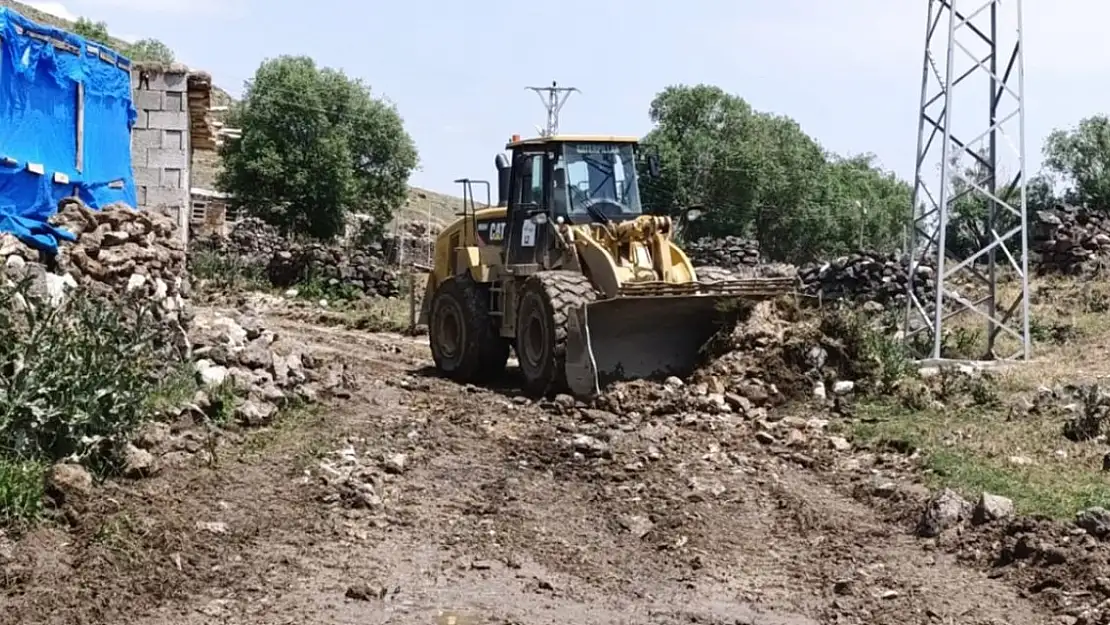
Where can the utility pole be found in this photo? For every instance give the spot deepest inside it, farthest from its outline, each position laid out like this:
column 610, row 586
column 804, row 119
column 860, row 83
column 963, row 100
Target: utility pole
column 974, row 44
column 553, row 98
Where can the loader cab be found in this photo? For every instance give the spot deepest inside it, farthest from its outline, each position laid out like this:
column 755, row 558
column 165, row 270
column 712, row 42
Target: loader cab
column 578, row 179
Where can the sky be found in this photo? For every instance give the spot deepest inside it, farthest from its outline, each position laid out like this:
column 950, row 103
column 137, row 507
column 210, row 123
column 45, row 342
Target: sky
column 849, row 72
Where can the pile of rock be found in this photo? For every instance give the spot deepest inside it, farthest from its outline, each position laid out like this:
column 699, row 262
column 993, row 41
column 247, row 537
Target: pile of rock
column 729, row 252
column 118, row 250
column 264, row 369
column 867, row 277
column 1071, row 240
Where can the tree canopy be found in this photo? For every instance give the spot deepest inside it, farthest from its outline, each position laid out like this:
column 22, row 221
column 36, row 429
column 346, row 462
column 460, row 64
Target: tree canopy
column 760, row 175
column 150, row 50
column 93, row 31
column 142, row 50
column 1080, row 159
column 315, row 146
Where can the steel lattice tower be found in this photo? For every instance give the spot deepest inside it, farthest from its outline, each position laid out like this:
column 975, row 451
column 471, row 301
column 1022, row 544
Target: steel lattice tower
column 971, row 161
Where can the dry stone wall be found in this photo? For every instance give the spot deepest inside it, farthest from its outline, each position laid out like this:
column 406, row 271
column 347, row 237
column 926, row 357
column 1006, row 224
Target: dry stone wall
column 1070, row 240
column 289, row 264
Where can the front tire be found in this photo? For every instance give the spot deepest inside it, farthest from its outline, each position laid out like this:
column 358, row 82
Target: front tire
column 466, row 345
column 541, row 327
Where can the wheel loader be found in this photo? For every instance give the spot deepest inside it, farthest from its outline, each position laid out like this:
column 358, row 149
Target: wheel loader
column 568, row 272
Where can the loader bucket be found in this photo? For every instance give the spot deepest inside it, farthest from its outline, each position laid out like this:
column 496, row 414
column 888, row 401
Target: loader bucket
column 645, row 337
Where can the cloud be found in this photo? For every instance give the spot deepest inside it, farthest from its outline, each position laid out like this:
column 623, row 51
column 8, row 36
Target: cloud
column 57, row 9
column 172, row 7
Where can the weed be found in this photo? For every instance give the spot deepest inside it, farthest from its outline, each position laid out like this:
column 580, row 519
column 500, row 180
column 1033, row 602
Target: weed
column 224, row 272
column 21, row 490
column 76, row 378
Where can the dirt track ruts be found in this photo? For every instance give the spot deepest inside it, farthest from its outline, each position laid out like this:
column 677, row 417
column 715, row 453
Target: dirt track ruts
column 496, row 518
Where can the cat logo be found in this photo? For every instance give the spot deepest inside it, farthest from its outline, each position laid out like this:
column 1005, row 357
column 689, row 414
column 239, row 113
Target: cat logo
column 497, row 231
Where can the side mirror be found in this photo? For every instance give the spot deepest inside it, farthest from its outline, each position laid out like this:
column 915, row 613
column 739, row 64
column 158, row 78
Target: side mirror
column 653, row 165
column 694, row 214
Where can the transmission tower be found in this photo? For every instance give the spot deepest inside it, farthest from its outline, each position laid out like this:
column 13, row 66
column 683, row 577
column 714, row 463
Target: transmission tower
column 553, row 98
column 971, row 153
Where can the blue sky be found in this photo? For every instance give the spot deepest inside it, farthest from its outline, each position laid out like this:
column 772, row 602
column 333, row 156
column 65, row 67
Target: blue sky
column 848, row 71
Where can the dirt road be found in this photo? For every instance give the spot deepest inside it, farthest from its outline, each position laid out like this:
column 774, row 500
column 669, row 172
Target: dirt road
column 415, row 497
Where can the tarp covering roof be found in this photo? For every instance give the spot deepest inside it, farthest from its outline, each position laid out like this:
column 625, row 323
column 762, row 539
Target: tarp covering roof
column 65, row 126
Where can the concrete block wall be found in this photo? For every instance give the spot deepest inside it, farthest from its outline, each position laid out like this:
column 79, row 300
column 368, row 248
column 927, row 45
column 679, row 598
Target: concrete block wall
column 160, row 146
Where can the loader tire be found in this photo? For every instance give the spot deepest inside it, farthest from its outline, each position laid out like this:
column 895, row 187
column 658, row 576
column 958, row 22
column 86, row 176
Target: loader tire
column 710, row 275
column 541, row 327
column 466, row 345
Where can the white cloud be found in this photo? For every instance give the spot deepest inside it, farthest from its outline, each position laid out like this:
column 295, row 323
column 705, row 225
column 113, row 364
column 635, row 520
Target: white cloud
column 57, row 9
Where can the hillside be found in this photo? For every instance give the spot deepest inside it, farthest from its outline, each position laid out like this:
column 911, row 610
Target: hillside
column 219, row 96
column 443, row 208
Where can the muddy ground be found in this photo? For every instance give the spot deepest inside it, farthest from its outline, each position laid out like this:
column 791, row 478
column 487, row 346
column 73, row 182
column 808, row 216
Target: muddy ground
column 414, row 499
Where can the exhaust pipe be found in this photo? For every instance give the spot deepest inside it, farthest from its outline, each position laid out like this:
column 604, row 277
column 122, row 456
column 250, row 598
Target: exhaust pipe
column 503, row 171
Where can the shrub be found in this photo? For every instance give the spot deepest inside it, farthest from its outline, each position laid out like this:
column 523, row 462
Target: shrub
column 76, row 377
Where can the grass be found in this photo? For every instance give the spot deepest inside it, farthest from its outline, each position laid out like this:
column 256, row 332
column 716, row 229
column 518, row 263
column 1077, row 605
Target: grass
column 979, row 435
column 22, row 486
column 976, row 449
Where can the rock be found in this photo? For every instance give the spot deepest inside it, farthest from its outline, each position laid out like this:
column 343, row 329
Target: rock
column 638, row 526
column 993, row 508
column 68, row 483
column 138, row 462
column 843, row 387
column 765, row 438
column 1095, row 521
column 819, row 391
column 590, row 446
column 839, row 443
column 152, row 435
column 254, row 413
column 945, row 510
column 394, row 463
column 211, row 375
column 256, row 355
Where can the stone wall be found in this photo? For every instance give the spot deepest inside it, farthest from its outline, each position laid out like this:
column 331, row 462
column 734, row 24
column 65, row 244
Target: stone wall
column 1070, row 240
column 255, row 245
column 160, row 141
column 729, row 252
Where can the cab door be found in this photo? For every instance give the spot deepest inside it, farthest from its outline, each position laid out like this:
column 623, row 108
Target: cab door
column 528, row 192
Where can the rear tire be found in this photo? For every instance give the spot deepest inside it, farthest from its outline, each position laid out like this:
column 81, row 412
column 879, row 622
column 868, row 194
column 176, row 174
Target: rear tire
column 541, row 327
column 466, row 344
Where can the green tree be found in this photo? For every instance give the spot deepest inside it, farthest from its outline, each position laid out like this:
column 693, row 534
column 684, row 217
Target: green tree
column 1080, row 157
column 315, row 145
column 760, row 175
column 93, row 31
column 150, row 50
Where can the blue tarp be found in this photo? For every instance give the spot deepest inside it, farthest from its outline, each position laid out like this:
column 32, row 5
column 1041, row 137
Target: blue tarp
column 40, row 69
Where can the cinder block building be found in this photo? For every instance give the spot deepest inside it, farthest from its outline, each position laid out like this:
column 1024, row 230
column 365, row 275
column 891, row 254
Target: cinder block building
column 173, row 122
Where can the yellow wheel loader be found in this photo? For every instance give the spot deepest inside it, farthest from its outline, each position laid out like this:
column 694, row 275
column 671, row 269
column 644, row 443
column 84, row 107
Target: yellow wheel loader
column 569, row 273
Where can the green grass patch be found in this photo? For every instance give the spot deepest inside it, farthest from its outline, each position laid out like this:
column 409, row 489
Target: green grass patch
column 22, row 485
column 974, row 449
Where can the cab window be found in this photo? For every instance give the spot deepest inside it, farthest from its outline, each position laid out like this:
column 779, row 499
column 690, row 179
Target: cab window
column 530, row 185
